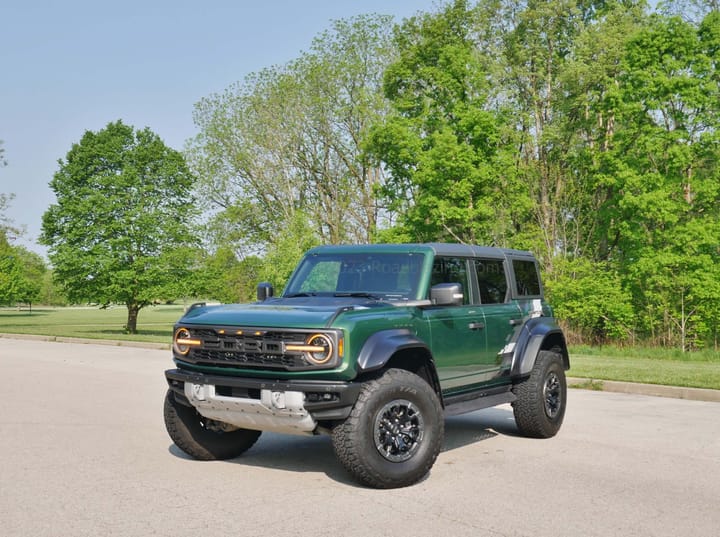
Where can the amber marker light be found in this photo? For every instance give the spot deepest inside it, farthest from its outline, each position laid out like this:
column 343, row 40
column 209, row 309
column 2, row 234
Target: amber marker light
column 304, row 348
column 183, row 341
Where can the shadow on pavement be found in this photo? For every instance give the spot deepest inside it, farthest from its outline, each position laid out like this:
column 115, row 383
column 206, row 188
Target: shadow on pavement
column 315, row 454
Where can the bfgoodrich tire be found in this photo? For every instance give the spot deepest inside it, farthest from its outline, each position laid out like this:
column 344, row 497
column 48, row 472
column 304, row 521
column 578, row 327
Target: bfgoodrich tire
column 394, row 432
column 201, row 438
column 542, row 397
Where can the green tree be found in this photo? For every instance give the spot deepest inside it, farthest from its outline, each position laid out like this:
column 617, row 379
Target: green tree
column 584, row 131
column 51, row 292
column 122, row 219
column 13, row 284
column 222, row 276
column 449, row 177
column 566, row 86
column 33, row 272
column 590, row 297
column 666, row 215
column 562, row 62
column 591, row 89
column 6, row 226
column 285, row 145
column 12, row 280
column 5, row 199
column 593, row 141
column 5, row 223
column 283, row 256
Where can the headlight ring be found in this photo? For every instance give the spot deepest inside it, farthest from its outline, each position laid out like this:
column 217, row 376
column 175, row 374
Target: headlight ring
column 320, row 349
column 183, row 341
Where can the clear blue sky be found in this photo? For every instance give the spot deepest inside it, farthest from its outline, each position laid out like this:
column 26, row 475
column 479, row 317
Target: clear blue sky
column 71, row 66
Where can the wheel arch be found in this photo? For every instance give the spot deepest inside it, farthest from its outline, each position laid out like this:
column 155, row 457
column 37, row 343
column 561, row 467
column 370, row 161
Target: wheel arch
column 400, row 349
column 538, row 334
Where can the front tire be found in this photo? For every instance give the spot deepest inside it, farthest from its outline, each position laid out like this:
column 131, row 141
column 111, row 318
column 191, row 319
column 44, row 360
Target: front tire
column 201, row 438
column 394, row 432
column 542, row 397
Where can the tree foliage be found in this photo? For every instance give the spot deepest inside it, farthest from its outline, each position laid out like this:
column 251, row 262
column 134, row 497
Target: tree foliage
column 666, row 215
column 11, row 273
column 33, row 269
column 6, row 226
column 592, row 300
column 22, row 273
column 596, row 145
column 584, row 131
column 122, row 222
column 442, row 144
column 281, row 151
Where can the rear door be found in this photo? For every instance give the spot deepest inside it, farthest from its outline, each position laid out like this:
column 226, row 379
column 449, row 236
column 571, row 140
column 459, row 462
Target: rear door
column 502, row 315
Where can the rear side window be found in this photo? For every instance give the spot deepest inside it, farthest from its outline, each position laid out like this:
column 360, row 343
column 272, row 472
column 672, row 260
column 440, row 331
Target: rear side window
column 527, row 281
column 491, row 280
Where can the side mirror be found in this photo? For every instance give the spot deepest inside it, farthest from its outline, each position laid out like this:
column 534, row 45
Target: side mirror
column 264, row 291
column 446, row 294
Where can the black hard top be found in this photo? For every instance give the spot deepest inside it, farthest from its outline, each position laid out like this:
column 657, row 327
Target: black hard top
column 438, row 248
column 469, row 250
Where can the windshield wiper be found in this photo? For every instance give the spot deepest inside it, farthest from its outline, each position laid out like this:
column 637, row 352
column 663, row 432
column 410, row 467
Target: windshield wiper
column 297, row 295
column 357, row 294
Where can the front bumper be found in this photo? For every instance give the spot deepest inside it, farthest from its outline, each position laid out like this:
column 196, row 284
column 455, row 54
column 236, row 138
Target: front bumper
column 287, row 406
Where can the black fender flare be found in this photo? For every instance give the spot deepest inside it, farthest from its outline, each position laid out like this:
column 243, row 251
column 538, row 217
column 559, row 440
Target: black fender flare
column 536, row 334
column 381, row 346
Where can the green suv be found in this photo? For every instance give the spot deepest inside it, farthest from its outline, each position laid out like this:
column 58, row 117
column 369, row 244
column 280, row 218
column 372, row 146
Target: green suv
column 373, row 345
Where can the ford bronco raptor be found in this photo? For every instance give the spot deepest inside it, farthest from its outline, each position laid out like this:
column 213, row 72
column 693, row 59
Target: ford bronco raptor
column 373, row 345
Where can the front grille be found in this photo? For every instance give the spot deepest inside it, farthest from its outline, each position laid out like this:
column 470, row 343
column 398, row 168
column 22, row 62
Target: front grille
column 248, row 348
column 248, row 359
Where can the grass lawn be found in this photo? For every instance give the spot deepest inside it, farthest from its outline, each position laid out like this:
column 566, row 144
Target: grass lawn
column 652, row 366
column 154, row 322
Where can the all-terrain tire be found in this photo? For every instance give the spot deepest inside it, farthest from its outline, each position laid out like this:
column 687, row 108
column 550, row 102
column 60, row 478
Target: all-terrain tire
column 394, row 432
column 189, row 431
column 542, row 397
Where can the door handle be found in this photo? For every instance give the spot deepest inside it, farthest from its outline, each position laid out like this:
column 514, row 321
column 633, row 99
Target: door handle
column 515, row 322
column 476, row 326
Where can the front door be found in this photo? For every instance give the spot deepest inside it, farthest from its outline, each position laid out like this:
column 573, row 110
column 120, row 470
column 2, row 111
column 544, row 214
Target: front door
column 457, row 333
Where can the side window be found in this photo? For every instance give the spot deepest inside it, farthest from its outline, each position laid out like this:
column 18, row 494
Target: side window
column 491, row 280
column 526, row 278
column 451, row 270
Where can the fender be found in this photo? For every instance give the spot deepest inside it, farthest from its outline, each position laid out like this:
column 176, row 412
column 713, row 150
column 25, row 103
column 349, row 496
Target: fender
column 538, row 333
column 380, row 347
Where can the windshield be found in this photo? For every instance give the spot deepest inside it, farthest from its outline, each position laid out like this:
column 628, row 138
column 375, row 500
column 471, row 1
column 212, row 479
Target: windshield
column 386, row 276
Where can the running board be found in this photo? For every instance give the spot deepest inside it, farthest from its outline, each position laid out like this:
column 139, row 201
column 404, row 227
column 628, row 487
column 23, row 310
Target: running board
column 462, row 404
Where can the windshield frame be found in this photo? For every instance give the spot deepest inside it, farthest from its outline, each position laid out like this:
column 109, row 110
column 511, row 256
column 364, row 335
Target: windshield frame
column 394, row 276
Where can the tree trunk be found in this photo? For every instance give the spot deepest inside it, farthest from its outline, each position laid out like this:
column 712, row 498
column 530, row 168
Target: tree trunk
column 133, row 310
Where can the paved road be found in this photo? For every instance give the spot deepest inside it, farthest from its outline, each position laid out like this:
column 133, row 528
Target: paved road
column 83, row 452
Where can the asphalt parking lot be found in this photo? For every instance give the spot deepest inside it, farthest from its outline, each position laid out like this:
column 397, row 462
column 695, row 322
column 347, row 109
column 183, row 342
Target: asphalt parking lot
column 83, row 451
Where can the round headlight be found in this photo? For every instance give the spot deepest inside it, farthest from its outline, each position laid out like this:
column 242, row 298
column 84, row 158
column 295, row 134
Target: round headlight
column 322, row 350
column 179, row 345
